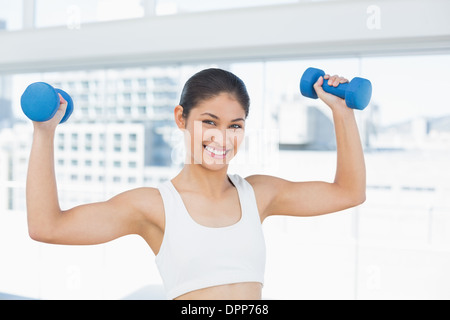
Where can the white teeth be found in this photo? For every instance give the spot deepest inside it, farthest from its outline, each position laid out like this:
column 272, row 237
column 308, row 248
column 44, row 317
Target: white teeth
column 214, row 151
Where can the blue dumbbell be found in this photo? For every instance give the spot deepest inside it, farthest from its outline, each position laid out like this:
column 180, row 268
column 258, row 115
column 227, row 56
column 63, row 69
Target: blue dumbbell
column 357, row 93
column 40, row 101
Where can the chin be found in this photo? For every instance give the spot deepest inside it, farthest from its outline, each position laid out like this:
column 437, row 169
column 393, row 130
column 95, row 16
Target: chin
column 214, row 166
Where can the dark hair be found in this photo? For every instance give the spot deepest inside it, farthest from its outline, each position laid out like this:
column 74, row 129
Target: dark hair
column 210, row 83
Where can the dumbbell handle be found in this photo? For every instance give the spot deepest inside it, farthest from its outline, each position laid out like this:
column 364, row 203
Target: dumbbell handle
column 337, row 91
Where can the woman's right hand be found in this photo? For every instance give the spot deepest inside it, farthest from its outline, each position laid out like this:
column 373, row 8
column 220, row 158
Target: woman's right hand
column 49, row 126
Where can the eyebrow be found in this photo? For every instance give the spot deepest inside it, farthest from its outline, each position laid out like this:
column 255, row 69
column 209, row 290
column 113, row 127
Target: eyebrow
column 217, row 118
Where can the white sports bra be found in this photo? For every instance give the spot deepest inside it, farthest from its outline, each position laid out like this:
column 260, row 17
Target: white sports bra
column 194, row 257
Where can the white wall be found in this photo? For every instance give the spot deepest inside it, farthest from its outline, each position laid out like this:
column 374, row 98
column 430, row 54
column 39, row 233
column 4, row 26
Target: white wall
column 351, row 27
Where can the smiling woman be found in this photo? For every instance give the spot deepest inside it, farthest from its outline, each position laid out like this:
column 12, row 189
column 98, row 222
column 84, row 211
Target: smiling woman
column 212, row 138
column 204, row 225
column 213, row 106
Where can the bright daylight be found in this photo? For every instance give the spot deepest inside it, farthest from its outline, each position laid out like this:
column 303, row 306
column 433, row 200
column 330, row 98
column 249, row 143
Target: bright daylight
column 224, row 150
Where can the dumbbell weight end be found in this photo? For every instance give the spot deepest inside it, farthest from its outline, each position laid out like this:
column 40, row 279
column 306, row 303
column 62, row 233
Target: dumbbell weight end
column 40, row 101
column 358, row 93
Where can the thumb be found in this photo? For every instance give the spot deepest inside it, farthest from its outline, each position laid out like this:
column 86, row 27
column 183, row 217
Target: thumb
column 318, row 86
column 62, row 106
column 62, row 102
column 61, row 99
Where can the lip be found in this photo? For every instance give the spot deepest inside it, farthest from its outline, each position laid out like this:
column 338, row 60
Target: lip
column 221, row 152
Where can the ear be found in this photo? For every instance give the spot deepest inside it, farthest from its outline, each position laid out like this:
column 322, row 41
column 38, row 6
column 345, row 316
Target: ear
column 179, row 119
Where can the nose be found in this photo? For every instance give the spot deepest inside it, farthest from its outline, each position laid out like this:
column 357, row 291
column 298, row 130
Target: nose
column 215, row 135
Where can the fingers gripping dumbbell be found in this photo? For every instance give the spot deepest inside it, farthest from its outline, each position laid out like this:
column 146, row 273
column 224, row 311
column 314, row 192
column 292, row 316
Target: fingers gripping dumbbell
column 357, row 93
column 40, row 101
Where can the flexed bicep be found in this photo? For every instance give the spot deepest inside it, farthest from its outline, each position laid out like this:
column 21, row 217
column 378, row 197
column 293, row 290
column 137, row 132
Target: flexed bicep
column 100, row 222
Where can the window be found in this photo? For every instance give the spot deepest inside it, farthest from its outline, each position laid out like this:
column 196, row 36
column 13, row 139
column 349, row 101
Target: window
column 127, row 83
column 405, row 133
column 132, row 164
column 166, row 7
column 142, row 95
column 11, row 13
column 127, row 110
column 127, row 96
column 142, row 82
column 132, row 149
column 142, row 110
column 74, row 13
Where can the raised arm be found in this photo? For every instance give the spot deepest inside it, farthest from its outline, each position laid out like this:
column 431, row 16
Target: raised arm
column 84, row 225
column 277, row 196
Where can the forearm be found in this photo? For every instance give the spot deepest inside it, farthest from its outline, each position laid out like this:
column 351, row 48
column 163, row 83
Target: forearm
column 41, row 190
column 351, row 169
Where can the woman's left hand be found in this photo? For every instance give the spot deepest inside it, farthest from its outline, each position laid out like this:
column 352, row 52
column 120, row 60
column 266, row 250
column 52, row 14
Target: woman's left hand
column 331, row 100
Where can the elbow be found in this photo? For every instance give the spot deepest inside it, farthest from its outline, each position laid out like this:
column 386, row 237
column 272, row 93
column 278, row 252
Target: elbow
column 35, row 235
column 43, row 224
column 40, row 233
column 358, row 198
column 352, row 198
column 361, row 199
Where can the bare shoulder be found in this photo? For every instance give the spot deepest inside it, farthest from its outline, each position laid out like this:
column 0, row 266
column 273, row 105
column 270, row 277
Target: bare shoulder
column 264, row 181
column 266, row 189
column 147, row 201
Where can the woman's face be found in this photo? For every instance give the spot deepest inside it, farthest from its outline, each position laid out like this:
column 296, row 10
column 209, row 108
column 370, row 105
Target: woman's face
column 213, row 131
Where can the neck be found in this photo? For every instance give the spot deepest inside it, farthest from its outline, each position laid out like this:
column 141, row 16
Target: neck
column 203, row 180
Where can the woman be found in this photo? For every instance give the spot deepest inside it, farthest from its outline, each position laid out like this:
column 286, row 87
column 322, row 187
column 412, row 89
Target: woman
column 204, row 226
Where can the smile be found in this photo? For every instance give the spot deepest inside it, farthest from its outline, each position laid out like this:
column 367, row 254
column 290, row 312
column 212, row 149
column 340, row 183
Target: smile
column 215, row 152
